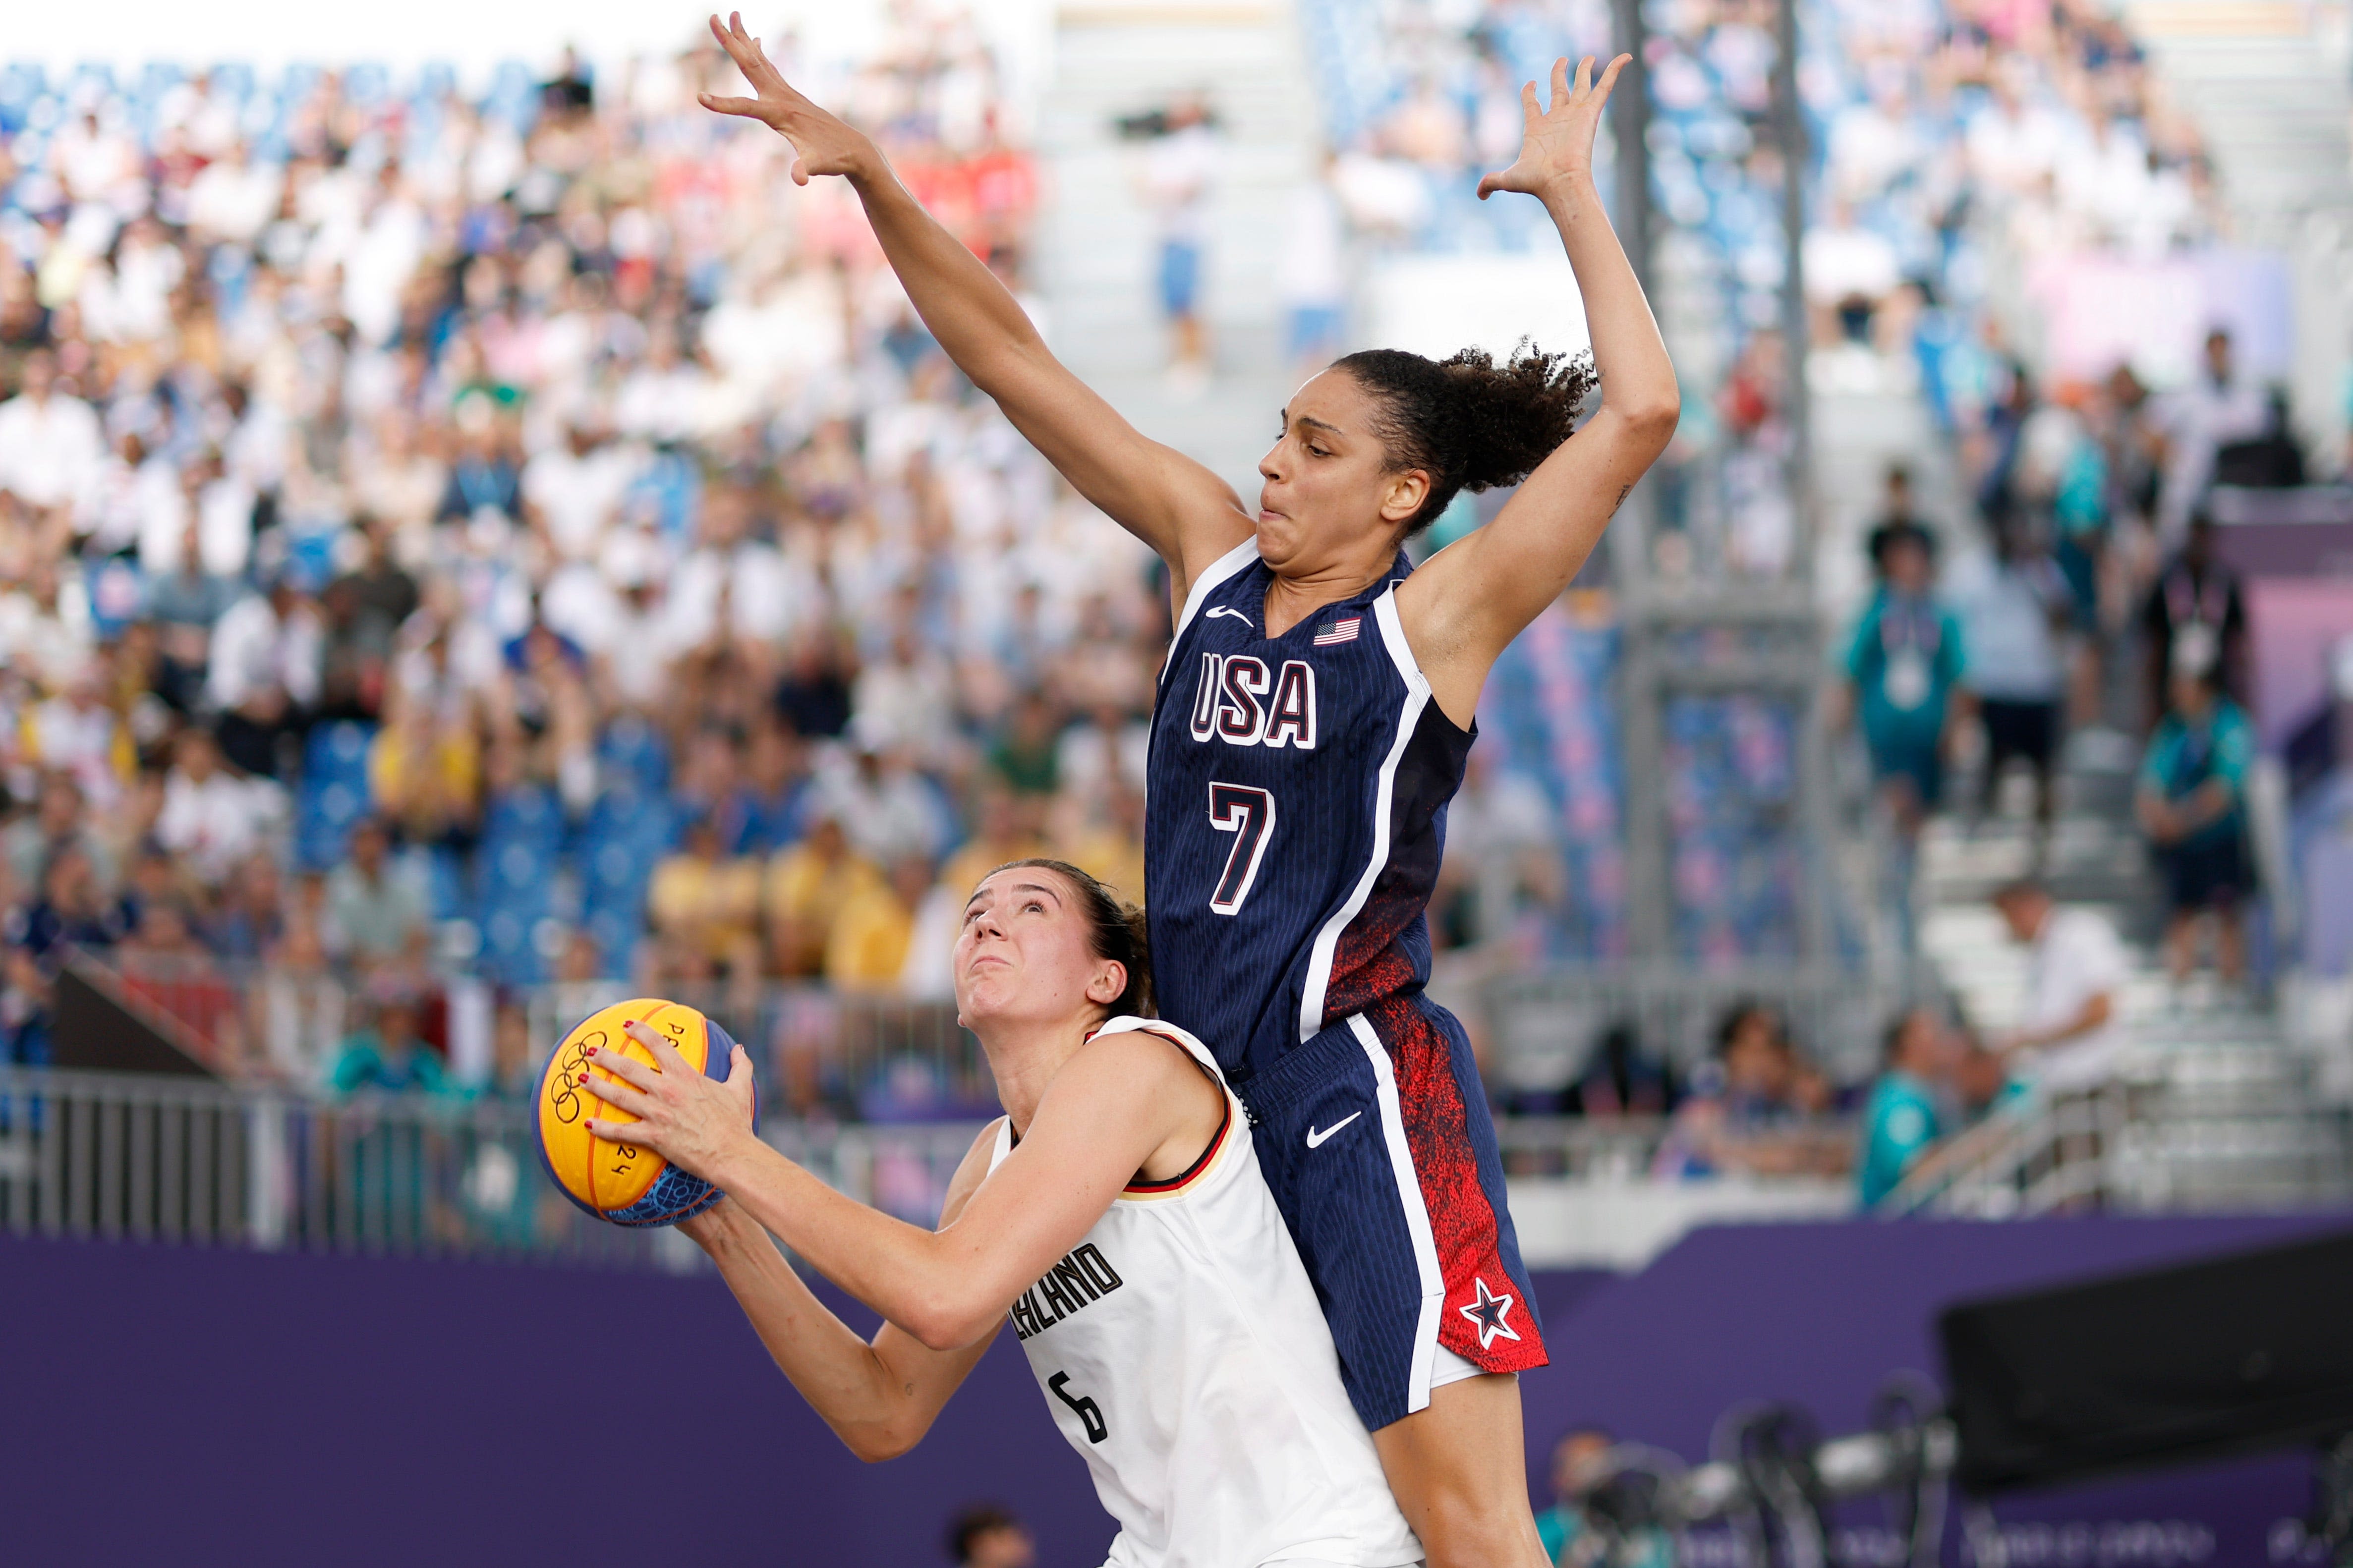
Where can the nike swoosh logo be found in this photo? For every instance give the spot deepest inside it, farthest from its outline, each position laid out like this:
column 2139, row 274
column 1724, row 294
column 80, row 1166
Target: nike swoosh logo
column 1217, row 610
column 1318, row 1136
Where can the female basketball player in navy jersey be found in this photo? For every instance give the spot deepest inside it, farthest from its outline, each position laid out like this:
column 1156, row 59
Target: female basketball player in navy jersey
column 1311, row 724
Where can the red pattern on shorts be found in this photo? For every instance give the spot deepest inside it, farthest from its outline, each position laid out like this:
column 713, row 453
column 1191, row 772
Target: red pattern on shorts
column 1461, row 1218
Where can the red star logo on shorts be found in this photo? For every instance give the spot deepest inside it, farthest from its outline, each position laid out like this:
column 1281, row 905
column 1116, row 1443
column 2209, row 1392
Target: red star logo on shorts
column 1491, row 1314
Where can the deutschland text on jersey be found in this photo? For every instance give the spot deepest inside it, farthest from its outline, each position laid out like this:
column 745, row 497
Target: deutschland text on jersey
column 1183, row 1353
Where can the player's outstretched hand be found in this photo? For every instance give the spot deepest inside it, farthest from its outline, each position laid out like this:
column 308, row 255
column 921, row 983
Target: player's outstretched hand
column 823, row 143
column 690, row 1119
column 1556, row 143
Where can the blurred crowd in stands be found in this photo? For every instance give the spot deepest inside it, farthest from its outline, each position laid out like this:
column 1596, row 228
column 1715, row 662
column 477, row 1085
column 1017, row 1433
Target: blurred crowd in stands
column 1956, row 150
column 523, row 535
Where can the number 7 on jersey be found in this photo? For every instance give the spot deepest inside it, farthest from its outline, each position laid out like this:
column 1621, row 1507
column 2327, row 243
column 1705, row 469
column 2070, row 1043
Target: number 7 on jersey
column 1247, row 813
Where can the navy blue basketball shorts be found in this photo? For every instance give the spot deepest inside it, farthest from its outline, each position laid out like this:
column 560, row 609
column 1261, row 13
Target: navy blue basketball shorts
column 1376, row 1140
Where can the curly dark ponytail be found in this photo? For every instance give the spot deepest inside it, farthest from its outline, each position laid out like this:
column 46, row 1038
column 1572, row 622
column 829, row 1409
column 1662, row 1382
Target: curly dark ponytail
column 1470, row 423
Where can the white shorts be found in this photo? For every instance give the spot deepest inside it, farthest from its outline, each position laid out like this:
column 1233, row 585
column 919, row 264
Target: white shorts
column 1446, row 1367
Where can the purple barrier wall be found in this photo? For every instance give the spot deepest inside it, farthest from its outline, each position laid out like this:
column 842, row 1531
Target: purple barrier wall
column 1819, row 1315
column 167, row 1403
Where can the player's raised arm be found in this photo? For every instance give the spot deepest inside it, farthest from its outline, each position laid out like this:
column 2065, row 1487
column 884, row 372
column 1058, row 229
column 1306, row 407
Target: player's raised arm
column 1174, row 504
column 1478, row 594
column 1108, row 1111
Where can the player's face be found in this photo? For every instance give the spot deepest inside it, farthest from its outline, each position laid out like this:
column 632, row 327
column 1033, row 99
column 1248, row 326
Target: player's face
column 1327, row 482
column 1023, row 952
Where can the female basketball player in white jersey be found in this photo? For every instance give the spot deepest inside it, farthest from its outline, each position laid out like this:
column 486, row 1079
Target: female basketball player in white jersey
column 1287, row 890
column 1115, row 1216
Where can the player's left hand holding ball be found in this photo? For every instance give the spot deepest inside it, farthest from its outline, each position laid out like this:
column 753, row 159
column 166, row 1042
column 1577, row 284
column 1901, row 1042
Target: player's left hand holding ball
column 695, row 1122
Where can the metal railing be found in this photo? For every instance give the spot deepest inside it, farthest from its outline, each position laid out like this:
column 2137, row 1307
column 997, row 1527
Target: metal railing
column 176, row 1159
column 865, row 1057
column 1547, row 1022
column 2189, row 1121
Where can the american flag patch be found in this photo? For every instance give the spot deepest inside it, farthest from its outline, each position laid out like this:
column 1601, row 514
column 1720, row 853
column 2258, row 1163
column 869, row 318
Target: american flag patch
column 1338, row 632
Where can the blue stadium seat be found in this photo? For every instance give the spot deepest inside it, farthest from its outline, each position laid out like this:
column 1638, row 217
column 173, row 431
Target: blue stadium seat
column 625, row 834
column 333, row 793
column 632, row 752
column 528, row 814
column 445, row 882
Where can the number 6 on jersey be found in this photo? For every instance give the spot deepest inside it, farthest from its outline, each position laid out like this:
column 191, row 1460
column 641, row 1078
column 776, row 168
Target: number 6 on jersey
column 1247, row 813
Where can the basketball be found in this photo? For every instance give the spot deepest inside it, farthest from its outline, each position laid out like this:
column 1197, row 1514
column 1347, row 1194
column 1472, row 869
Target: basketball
column 622, row 1182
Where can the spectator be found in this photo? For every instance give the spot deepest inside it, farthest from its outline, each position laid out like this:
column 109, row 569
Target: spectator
column 266, row 653
column 2197, row 611
column 57, row 820
column 299, row 1009
column 1750, row 1120
column 210, row 818
column 572, row 493
column 375, row 916
column 805, row 888
column 867, row 947
column 515, row 1058
column 1903, row 667
column 69, row 911
column 162, row 960
column 1901, row 1118
column 1025, row 757
column 251, row 917
column 390, row 1054
column 707, row 898
column 813, row 696
column 988, row 1537
column 1108, row 843
column 2015, row 618
column 2191, row 802
column 1621, row 1079
column 2066, row 1037
column 1179, row 167
column 52, row 448
column 773, row 795
column 1898, row 508
column 425, row 773
column 886, row 805
column 2219, row 406
column 1001, row 835
column 1311, row 278
column 1573, row 1531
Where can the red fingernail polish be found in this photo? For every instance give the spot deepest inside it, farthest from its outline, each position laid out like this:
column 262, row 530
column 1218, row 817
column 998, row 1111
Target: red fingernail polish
column 587, row 1050
column 584, row 1078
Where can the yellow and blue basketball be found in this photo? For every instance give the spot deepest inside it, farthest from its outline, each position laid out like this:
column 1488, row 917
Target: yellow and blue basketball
column 622, row 1182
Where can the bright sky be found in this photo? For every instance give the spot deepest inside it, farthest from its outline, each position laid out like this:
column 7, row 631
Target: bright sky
column 472, row 34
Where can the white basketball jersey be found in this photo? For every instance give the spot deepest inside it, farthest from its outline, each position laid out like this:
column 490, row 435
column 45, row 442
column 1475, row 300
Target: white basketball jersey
column 1182, row 1353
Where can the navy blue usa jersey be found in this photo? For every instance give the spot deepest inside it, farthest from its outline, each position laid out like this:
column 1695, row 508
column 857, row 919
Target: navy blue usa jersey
column 1295, row 815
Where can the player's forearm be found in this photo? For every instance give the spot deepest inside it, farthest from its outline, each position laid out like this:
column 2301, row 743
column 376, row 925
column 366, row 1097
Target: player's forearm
column 1638, row 381
column 842, row 1377
column 817, row 1352
column 976, row 319
column 912, row 1276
